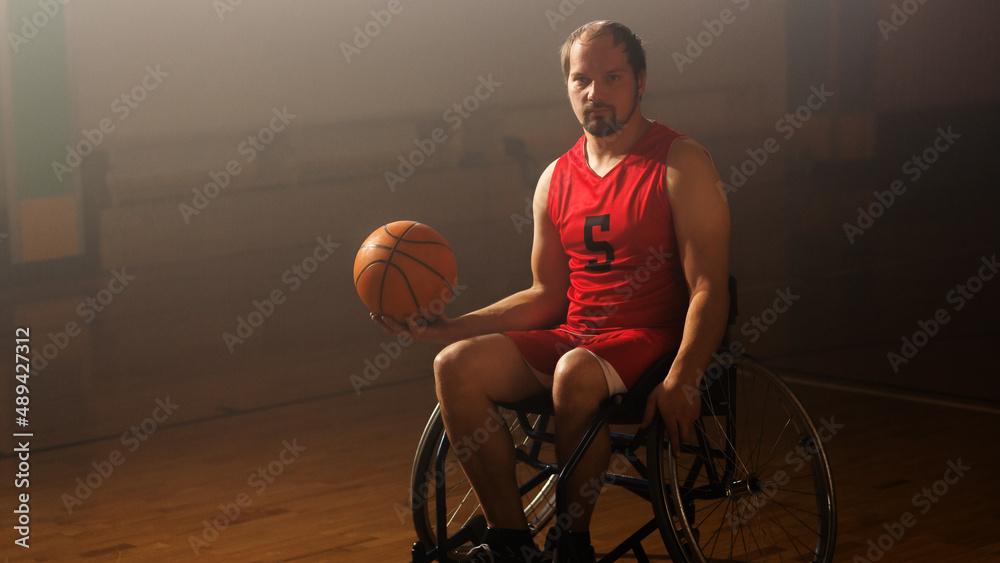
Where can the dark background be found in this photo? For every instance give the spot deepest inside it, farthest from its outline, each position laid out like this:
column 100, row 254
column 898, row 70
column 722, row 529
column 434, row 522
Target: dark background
column 357, row 114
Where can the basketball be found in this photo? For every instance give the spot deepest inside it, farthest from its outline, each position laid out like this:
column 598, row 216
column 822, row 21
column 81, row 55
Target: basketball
column 405, row 268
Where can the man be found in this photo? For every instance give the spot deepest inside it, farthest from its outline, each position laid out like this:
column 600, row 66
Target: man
column 629, row 260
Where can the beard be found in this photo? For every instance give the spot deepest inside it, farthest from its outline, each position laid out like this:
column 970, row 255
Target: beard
column 602, row 126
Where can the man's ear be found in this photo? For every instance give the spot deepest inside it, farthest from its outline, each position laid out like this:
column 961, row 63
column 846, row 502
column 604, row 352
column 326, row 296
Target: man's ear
column 640, row 81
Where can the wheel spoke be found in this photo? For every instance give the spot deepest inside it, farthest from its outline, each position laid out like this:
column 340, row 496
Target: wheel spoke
column 461, row 505
column 795, row 541
column 775, row 522
column 756, row 536
column 728, row 441
column 774, row 448
column 795, row 516
column 764, row 410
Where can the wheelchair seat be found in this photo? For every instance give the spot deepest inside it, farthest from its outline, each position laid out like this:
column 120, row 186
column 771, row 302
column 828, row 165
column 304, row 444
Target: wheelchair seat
column 623, row 408
column 752, row 484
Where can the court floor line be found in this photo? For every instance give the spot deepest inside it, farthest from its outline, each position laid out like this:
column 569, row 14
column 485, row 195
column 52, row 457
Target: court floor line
column 902, row 394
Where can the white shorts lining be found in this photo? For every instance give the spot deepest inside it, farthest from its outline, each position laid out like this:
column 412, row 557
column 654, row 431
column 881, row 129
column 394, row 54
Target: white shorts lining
column 614, row 381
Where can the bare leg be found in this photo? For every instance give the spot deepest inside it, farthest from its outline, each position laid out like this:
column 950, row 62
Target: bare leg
column 578, row 390
column 470, row 375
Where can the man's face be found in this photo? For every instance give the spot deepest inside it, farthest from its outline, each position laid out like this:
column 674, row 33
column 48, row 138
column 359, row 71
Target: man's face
column 603, row 90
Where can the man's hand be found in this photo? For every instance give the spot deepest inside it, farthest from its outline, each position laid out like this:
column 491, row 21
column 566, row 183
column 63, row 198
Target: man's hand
column 679, row 405
column 439, row 331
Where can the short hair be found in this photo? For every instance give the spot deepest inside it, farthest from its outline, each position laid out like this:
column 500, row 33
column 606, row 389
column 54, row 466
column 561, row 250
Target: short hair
column 619, row 32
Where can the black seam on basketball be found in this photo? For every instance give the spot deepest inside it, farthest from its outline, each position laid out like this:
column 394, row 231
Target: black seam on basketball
column 377, row 245
column 428, row 266
column 409, row 287
column 365, row 269
column 388, row 232
column 381, row 287
column 400, row 237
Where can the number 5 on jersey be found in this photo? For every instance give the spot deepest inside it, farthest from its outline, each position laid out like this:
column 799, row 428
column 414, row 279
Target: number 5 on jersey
column 598, row 246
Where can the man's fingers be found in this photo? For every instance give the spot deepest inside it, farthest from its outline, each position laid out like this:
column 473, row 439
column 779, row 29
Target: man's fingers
column 389, row 325
column 377, row 319
column 674, row 437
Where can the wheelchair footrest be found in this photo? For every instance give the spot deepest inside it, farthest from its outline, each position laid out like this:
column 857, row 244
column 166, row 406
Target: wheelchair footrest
column 418, row 553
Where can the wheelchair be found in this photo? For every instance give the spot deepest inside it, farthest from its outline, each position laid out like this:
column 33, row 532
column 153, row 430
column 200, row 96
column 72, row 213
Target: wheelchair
column 753, row 483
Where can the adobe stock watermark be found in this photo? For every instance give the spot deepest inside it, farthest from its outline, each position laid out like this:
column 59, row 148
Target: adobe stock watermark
column 748, row 507
column 32, row 25
column 258, row 480
column 590, row 492
column 627, row 286
column 714, row 28
column 293, row 277
column 914, row 168
column 420, row 496
column 225, row 7
column 133, row 438
column 122, row 107
column 958, row 297
column 722, row 359
column 374, row 367
column 454, row 116
column 526, row 217
column 364, row 34
column 464, row 448
column 759, row 324
column 655, row 259
column 754, row 328
column 88, row 309
column 250, row 148
column 566, row 8
column 786, row 126
column 899, row 16
column 925, row 500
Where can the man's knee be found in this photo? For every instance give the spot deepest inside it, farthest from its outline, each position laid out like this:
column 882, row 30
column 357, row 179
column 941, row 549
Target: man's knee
column 465, row 363
column 450, row 362
column 579, row 385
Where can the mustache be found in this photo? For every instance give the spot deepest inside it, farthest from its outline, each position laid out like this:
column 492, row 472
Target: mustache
column 596, row 105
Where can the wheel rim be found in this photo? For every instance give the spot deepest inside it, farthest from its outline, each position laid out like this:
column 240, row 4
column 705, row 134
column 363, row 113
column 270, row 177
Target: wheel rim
column 462, row 505
column 756, row 486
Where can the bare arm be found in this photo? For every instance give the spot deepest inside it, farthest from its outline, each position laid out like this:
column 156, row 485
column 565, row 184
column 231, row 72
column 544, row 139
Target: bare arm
column 541, row 305
column 701, row 223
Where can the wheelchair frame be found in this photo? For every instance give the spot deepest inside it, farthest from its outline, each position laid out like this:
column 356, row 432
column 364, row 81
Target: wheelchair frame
column 712, row 473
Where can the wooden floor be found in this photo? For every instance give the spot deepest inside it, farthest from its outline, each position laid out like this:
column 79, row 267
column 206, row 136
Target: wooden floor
column 272, row 426
column 327, row 480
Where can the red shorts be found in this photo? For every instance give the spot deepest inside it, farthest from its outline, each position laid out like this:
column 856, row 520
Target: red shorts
column 624, row 354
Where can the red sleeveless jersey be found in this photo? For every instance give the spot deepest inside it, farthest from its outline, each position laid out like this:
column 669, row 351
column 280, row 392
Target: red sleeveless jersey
column 618, row 234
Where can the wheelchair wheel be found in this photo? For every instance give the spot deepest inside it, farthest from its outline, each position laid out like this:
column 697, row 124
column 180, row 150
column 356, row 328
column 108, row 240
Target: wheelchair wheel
column 536, row 472
column 755, row 484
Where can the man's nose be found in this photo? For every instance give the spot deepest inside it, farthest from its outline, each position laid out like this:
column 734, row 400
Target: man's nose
column 595, row 93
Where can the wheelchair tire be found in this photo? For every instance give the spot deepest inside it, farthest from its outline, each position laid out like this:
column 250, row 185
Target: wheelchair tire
column 462, row 506
column 756, row 485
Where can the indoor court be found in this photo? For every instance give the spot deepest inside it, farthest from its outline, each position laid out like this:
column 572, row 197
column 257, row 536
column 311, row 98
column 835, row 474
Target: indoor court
column 185, row 187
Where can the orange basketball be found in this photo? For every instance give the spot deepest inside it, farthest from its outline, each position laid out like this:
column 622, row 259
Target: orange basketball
column 405, row 268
